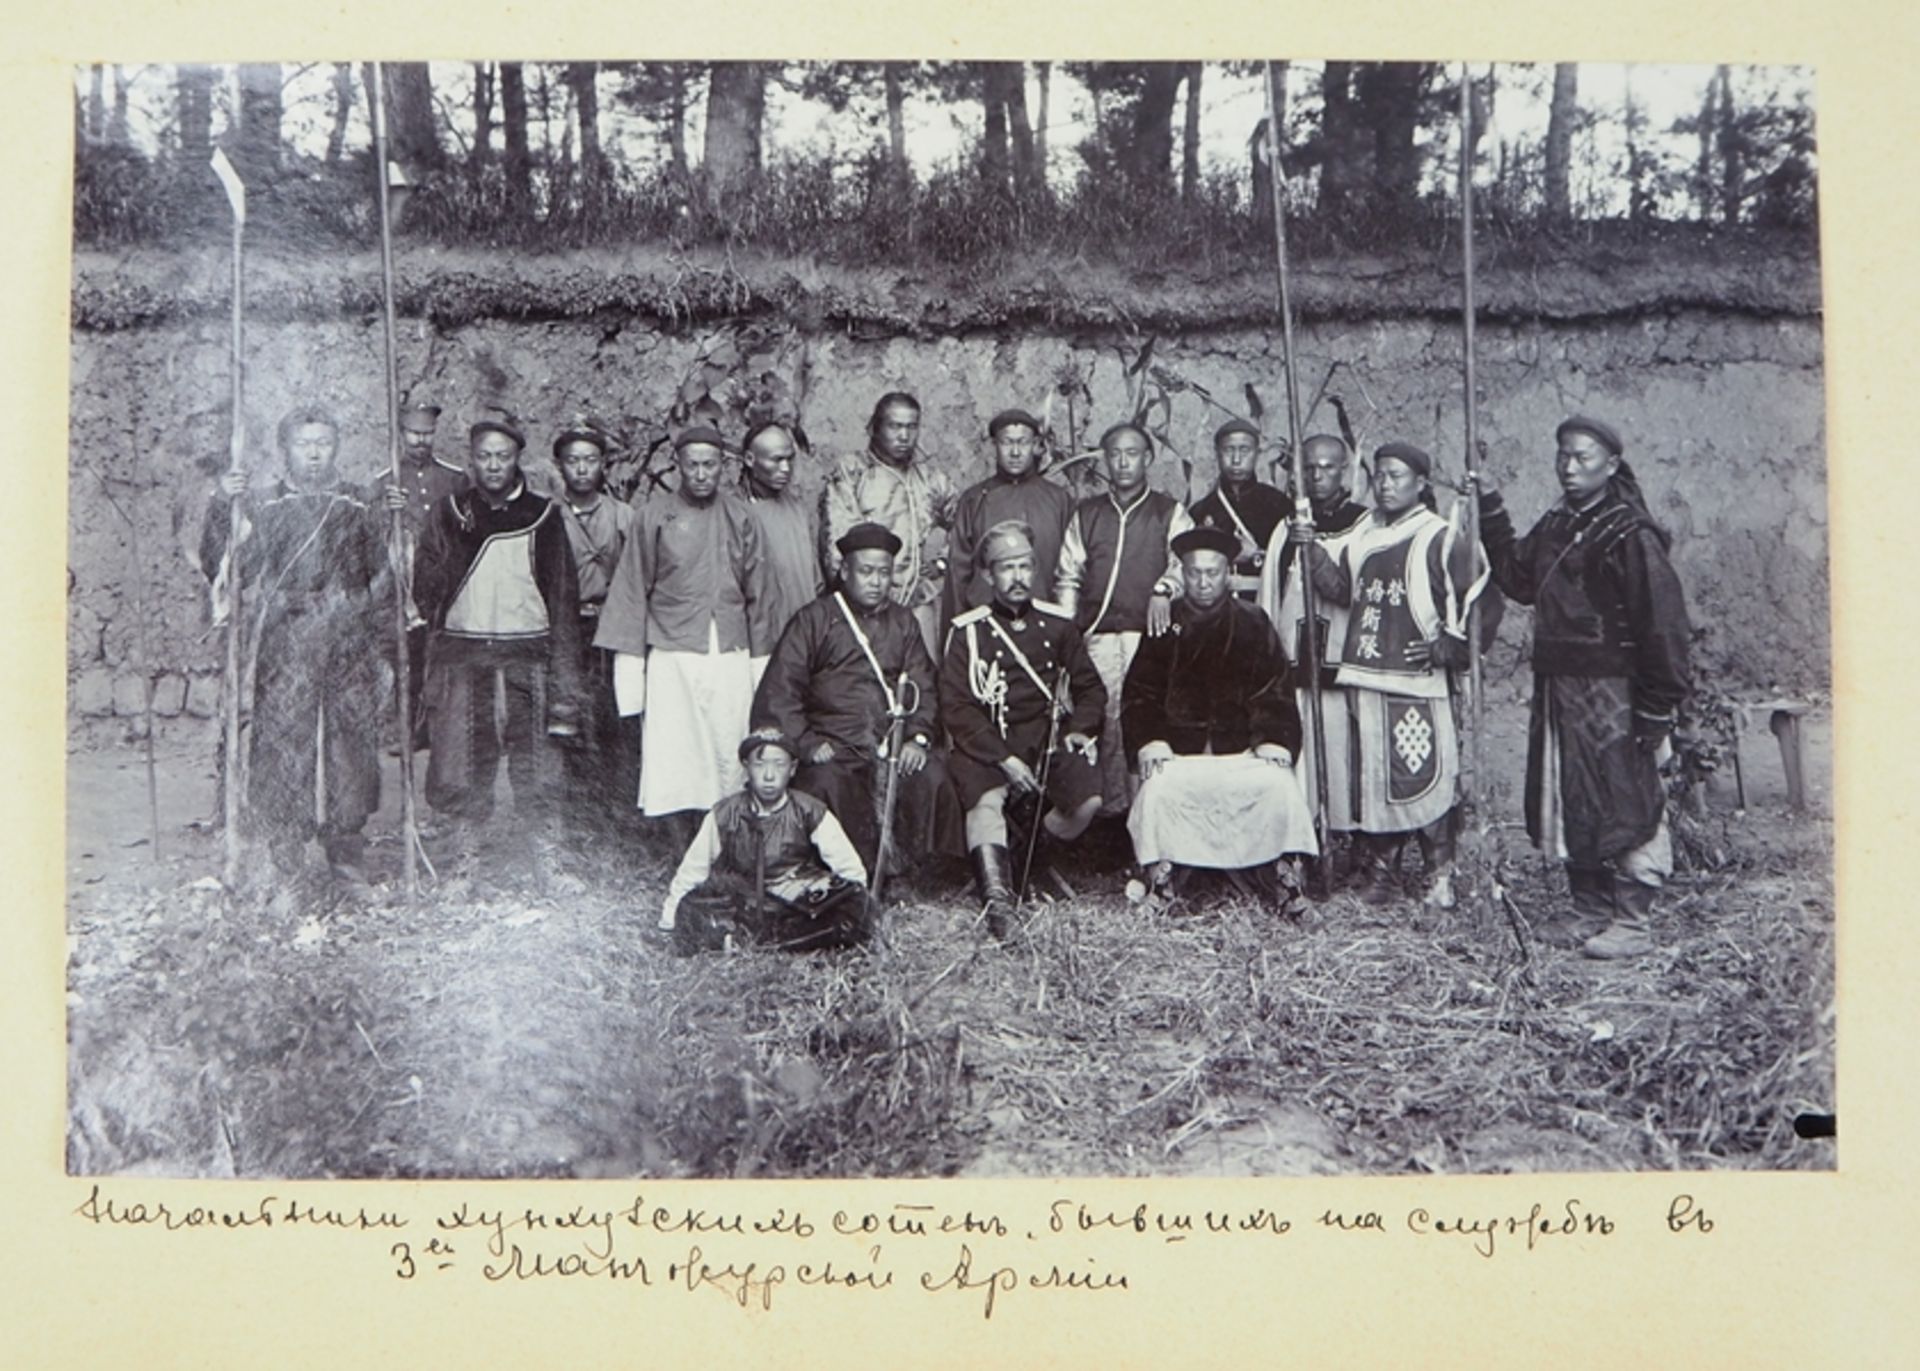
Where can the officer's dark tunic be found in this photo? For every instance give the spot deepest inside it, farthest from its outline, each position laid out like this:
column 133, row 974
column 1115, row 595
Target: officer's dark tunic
column 821, row 687
column 995, row 709
column 309, row 563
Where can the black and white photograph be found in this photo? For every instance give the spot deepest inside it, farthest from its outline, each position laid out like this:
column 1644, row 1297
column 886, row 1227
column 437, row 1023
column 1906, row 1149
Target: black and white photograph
column 1049, row 618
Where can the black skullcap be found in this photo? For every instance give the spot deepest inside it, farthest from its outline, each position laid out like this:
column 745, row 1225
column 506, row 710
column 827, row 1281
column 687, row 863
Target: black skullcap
column 868, row 535
column 580, row 433
column 1127, row 427
column 1408, row 453
column 699, row 433
column 1011, row 416
column 1605, row 433
column 1199, row 539
column 484, row 426
column 751, row 745
column 1233, row 426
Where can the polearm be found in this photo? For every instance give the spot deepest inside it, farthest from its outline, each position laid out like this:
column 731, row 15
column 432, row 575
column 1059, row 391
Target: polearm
column 409, row 831
column 1476, row 703
column 1302, row 506
column 236, row 450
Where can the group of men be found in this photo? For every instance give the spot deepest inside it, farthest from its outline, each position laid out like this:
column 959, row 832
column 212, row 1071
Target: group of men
column 807, row 693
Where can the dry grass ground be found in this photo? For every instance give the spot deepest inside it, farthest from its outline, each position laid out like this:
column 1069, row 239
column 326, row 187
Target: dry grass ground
column 504, row 1034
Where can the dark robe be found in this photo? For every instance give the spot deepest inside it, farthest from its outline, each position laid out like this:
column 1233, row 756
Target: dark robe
column 315, row 588
column 1037, row 502
column 426, row 484
column 1217, row 682
column 979, row 662
column 1610, row 660
column 499, row 589
column 1260, row 509
column 768, row 881
column 820, row 687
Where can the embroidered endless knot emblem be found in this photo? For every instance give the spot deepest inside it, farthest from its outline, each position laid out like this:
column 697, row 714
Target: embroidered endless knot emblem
column 1413, row 740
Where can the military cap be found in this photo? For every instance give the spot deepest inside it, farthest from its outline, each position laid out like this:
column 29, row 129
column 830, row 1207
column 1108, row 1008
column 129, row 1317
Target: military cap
column 1199, row 539
column 1405, row 452
column 1008, row 538
column 1011, row 416
column 751, row 745
column 580, row 433
column 1233, row 426
column 485, row 426
column 868, row 535
column 419, row 416
column 1602, row 432
column 699, row 433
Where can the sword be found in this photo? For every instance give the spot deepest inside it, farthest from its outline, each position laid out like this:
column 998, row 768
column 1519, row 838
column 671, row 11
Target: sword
column 906, row 699
column 1040, row 796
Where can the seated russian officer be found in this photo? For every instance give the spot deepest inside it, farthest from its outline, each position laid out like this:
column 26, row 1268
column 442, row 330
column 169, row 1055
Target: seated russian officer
column 1000, row 692
column 1208, row 711
column 768, row 865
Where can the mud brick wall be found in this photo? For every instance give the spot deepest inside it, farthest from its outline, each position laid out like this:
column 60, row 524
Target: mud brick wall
column 1721, row 405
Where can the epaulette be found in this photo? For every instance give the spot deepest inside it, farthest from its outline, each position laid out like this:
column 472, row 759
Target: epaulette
column 972, row 616
column 1049, row 607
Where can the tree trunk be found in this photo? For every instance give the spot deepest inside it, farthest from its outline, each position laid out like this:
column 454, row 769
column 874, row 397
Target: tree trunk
column 1733, row 169
column 95, row 125
column 1258, row 151
column 1560, row 117
column 897, row 165
column 118, row 134
column 1190, row 141
column 1044, row 72
column 995, row 159
column 482, row 150
column 1151, row 162
column 1703, row 167
column 1343, row 161
column 1639, row 202
column 736, row 108
column 1013, row 90
column 258, row 145
column 677, row 122
column 412, row 130
column 513, row 135
column 342, row 112
column 193, row 96
column 583, row 77
column 1390, row 93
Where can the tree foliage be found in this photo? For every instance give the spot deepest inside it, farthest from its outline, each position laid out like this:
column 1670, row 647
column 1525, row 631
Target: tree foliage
column 534, row 154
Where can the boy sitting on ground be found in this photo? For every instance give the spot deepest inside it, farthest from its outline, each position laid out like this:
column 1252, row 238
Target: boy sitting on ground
column 768, row 866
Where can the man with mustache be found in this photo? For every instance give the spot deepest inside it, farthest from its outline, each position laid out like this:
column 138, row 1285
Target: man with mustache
column 1000, row 692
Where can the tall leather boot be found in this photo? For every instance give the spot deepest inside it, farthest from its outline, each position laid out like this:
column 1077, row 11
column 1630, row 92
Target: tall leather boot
column 1372, row 852
column 1631, row 933
column 990, row 879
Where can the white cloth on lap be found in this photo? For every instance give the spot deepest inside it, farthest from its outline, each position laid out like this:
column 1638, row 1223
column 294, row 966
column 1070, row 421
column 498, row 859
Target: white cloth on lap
column 1226, row 813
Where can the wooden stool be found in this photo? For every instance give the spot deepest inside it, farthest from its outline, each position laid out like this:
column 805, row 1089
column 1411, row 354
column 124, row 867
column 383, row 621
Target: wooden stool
column 1783, row 719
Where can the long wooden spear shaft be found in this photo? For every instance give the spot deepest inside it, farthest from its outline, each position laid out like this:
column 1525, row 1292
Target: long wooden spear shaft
column 1476, row 702
column 232, row 777
column 1302, row 506
column 409, row 828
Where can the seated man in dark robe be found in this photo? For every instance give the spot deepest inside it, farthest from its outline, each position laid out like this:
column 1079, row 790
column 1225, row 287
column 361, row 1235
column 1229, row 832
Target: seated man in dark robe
column 1209, row 713
column 849, row 663
column 768, row 865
